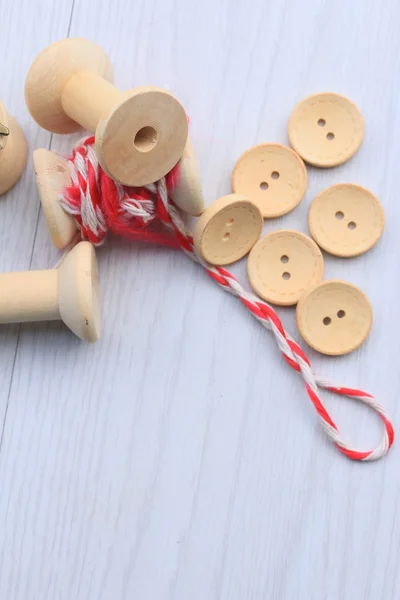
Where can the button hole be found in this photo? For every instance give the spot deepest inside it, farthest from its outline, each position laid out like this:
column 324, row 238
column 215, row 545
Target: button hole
column 330, row 136
column 286, row 275
column 341, row 314
column 226, row 236
column 275, row 175
column 230, row 222
column 327, row 320
column 264, row 185
column 352, row 225
column 339, row 215
column 284, row 259
column 321, row 122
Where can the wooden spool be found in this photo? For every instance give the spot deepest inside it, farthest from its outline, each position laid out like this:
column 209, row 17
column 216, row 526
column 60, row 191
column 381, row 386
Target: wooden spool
column 13, row 151
column 140, row 134
column 69, row 293
column 52, row 176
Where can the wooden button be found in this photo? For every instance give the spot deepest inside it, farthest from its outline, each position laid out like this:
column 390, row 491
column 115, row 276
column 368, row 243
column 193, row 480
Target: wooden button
column 346, row 219
column 326, row 129
column 282, row 265
column 334, row 317
column 227, row 229
column 272, row 176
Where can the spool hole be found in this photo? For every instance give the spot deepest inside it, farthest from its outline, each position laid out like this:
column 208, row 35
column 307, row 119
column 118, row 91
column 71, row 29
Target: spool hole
column 145, row 139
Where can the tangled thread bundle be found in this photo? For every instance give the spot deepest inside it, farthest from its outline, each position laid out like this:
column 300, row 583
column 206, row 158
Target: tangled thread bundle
column 99, row 205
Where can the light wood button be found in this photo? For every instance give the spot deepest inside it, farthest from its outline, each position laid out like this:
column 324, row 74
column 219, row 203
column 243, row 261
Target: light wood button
column 283, row 264
column 334, row 317
column 227, row 229
column 326, row 129
column 272, row 176
column 346, row 220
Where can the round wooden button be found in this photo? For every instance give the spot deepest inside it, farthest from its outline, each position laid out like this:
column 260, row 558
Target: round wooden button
column 326, row 129
column 346, row 220
column 282, row 265
column 227, row 229
column 272, row 176
column 334, row 317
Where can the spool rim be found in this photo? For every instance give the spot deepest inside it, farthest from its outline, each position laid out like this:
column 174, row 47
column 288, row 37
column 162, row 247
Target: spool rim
column 3, row 121
column 49, row 73
column 164, row 126
column 79, row 294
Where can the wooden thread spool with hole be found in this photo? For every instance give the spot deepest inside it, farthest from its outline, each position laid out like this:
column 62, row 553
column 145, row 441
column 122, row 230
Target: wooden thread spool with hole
column 13, row 151
column 53, row 176
column 69, row 293
column 140, row 134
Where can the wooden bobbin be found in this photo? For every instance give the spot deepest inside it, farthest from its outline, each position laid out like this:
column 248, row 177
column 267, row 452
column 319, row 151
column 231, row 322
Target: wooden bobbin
column 13, row 151
column 52, row 176
column 140, row 134
column 69, row 293
column 188, row 194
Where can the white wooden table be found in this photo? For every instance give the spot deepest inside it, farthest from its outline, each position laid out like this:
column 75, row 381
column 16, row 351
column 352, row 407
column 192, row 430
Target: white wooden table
column 179, row 457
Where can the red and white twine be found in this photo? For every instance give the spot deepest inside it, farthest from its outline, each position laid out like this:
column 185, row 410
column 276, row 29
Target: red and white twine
column 99, row 205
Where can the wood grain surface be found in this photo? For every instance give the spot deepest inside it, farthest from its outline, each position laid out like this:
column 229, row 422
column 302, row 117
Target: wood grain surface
column 179, row 458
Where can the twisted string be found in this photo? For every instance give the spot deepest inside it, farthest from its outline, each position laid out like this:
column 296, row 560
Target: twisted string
column 99, row 205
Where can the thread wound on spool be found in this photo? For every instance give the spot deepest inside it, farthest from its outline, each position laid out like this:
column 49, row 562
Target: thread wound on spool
column 101, row 205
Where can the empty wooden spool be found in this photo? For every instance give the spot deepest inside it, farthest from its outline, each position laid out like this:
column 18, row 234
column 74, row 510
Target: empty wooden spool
column 13, row 151
column 52, row 176
column 140, row 134
column 69, row 293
